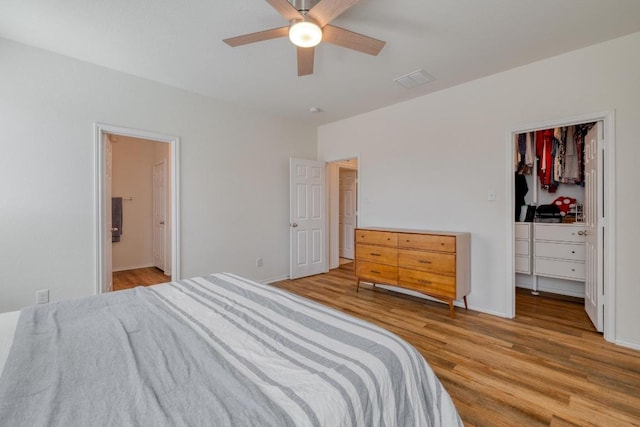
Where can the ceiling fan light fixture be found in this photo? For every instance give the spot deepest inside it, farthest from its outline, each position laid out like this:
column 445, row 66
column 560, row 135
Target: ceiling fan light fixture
column 305, row 33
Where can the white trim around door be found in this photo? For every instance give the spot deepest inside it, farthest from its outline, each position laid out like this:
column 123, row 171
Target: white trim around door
column 607, row 178
column 333, row 203
column 100, row 220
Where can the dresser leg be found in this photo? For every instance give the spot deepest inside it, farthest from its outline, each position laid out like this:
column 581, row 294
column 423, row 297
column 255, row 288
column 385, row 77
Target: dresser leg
column 358, row 285
column 465, row 303
column 452, row 313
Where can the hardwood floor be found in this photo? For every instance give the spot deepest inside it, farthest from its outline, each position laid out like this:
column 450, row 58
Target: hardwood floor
column 139, row 277
column 546, row 367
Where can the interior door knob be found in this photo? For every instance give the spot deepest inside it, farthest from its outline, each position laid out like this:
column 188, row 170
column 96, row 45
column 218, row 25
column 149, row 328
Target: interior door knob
column 114, row 229
column 161, row 222
column 294, row 225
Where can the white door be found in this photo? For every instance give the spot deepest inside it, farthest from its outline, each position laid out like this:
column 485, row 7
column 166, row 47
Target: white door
column 159, row 214
column 347, row 212
column 307, row 218
column 593, row 212
column 107, row 280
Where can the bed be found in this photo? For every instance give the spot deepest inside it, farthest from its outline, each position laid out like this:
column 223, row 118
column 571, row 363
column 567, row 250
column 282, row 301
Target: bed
column 217, row 350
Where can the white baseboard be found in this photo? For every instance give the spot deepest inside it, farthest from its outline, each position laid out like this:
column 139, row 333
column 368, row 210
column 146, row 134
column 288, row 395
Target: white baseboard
column 132, row 267
column 457, row 303
column 631, row 345
column 273, row 280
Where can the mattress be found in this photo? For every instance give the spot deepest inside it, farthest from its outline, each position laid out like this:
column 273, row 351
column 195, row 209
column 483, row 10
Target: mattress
column 8, row 323
column 216, row 350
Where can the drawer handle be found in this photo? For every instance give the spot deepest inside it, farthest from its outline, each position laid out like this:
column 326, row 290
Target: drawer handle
column 424, row 261
column 582, row 233
column 426, row 282
column 375, row 272
column 573, row 269
column 372, row 254
column 573, row 252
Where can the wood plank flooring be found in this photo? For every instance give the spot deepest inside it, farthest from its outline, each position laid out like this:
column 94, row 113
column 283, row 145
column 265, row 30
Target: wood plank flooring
column 139, row 277
column 546, row 367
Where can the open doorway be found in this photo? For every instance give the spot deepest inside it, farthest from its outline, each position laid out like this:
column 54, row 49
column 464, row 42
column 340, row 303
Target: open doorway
column 137, row 231
column 342, row 176
column 141, row 236
column 568, row 253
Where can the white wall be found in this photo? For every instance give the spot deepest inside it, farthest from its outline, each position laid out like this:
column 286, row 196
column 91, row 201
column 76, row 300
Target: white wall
column 430, row 162
column 234, row 173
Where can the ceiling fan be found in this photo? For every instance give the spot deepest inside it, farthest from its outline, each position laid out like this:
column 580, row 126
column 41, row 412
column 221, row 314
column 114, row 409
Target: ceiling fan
column 308, row 26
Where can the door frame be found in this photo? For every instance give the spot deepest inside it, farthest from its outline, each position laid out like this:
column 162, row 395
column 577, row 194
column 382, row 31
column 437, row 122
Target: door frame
column 333, row 208
column 353, row 171
column 100, row 219
column 606, row 182
column 163, row 164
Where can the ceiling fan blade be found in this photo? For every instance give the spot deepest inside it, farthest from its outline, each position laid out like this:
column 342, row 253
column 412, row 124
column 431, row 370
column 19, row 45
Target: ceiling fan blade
column 328, row 10
column 349, row 39
column 286, row 9
column 305, row 60
column 274, row 33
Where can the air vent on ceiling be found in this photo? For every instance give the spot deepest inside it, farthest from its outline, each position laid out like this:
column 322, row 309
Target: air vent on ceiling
column 414, row 79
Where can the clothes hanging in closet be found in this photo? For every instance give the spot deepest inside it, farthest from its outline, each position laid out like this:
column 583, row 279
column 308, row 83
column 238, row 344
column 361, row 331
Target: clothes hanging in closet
column 581, row 131
column 544, row 152
column 571, row 162
column 524, row 152
column 560, row 153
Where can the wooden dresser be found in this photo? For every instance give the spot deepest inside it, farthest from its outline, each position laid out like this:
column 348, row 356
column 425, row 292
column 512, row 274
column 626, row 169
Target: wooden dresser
column 433, row 263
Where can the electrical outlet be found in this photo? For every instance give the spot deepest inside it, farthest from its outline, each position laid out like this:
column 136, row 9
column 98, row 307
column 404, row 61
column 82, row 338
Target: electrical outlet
column 258, row 262
column 42, row 296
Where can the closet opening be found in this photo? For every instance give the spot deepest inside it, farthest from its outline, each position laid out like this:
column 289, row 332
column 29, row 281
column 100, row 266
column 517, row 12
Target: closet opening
column 560, row 184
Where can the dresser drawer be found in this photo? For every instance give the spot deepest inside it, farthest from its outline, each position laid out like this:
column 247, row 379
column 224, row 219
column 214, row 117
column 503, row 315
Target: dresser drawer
column 378, row 273
column 430, row 242
column 522, row 247
column 376, row 237
column 561, row 232
column 523, row 264
column 563, row 269
column 523, row 230
column 377, row 254
column 428, row 283
column 434, row 262
column 570, row 251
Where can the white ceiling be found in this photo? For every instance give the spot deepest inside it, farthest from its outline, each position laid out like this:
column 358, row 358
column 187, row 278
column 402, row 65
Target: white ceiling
column 179, row 43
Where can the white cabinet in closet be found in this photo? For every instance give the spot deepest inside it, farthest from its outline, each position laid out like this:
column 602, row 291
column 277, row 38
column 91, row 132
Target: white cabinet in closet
column 523, row 247
column 559, row 251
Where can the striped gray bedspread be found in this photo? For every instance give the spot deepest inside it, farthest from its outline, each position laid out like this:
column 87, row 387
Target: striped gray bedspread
column 219, row 350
